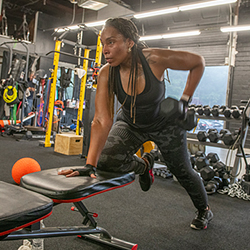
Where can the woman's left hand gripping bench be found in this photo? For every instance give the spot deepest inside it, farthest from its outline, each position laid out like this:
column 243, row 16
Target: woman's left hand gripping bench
column 87, row 170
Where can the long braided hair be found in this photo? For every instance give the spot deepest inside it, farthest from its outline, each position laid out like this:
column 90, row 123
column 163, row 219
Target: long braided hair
column 128, row 29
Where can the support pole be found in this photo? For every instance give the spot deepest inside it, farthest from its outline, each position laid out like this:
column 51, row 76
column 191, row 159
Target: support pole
column 52, row 93
column 82, row 92
column 98, row 57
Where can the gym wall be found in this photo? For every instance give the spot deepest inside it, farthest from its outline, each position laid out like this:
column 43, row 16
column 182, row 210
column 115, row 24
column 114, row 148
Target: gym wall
column 240, row 77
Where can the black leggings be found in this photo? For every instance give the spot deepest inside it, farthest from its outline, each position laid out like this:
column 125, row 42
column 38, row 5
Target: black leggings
column 124, row 141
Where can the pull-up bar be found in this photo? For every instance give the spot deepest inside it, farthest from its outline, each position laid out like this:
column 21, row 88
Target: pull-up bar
column 68, row 54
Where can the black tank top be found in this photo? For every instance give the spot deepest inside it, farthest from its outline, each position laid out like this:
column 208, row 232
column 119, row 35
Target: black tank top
column 147, row 104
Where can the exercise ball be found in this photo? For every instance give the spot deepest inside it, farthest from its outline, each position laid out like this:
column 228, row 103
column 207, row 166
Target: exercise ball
column 24, row 166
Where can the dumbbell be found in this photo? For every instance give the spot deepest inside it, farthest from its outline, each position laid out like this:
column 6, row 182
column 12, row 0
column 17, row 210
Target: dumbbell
column 237, row 112
column 213, row 135
column 206, row 110
column 207, row 173
column 199, row 109
column 171, row 108
column 220, row 182
column 230, row 138
column 222, row 108
column 215, row 110
column 200, row 153
column 202, row 136
column 192, row 107
column 190, row 122
column 220, row 170
column 211, row 186
column 227, row 112
column 213, row 158
column 201, row 162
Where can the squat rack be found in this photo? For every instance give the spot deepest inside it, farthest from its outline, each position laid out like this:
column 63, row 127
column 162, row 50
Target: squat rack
column 53, row 78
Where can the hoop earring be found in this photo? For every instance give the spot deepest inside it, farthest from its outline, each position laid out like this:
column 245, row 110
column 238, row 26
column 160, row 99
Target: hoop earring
column 129, row 49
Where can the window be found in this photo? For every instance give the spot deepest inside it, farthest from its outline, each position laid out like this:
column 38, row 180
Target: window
column 211, row 91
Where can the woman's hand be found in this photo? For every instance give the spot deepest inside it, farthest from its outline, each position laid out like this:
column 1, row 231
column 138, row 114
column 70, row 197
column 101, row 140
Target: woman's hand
column 68, row 172
column 88, row 170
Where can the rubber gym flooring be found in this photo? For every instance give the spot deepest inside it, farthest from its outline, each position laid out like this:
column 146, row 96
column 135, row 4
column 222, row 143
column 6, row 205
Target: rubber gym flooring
column 156, row 220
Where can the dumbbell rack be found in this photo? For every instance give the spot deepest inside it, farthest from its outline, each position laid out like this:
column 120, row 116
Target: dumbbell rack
column 244, row 119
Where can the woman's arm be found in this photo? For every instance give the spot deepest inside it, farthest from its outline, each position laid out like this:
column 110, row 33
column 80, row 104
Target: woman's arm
column 101, row 124
column 103, row 120
column 162, row 59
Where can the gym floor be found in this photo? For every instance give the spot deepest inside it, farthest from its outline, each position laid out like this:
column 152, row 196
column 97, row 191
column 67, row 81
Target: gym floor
column 156, row 220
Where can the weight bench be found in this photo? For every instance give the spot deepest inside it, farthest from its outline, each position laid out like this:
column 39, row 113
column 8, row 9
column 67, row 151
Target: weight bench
column 22, row 208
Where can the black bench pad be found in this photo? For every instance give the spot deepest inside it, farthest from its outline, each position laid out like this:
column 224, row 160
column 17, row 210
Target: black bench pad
column 62, row 189
column 20, row 207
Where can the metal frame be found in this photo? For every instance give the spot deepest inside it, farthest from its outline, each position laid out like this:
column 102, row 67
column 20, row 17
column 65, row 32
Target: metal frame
column 89, row 230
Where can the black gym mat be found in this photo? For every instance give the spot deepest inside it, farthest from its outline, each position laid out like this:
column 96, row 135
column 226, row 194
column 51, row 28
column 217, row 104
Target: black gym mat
column 156, row 220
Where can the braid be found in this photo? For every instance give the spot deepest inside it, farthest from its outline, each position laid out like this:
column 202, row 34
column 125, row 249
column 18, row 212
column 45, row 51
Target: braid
column 128, row 29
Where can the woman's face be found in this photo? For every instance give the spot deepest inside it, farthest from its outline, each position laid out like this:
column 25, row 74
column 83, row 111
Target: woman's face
column 115, row 46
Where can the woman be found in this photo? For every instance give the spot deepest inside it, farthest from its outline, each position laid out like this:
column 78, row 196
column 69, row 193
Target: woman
column 134, row 73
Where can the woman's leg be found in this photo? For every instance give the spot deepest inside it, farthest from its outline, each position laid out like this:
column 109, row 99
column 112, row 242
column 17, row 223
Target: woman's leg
column 173, row 146
column 119, row 151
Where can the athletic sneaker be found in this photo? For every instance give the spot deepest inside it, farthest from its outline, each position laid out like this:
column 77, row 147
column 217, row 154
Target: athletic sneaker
column 147, row 178
column 202, row 219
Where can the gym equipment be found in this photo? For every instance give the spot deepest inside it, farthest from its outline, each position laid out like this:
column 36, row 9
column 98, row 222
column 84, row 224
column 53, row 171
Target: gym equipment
column 174, row 109
column 88, row 117
column 4, row 24
column 24, row 166
column 229, row 138
column 190, row 122
column 222, row 108
column 202, row 136
column 192, row 159
column 227, row 112
column 10, row 95
column 207, row 173
column 211, row 186
column 215, row 110
column 206, row 110
column 200, row 153
column 17, row 76
column 237, row 112
column 171, row 108
column 161, row 170
column 201, row 162
column 199, row 109
column 53, row 78
column 41, row 190
column 213, row 135
column 213, row 158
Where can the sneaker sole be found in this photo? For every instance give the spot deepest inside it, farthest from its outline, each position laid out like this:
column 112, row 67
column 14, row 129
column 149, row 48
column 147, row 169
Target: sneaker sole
column 197, row 228
column 152, row 176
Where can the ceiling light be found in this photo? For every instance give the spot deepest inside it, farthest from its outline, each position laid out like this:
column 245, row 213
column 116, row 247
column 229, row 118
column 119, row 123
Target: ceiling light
column 205, row 4
column 156, row 13
column 60, row 30
column 97, row 23
column 171, row 35
column 74, row 27
column 145, row 38
column 181, row 34
column 93, row 4
column 184, row 8
column 235, row 28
